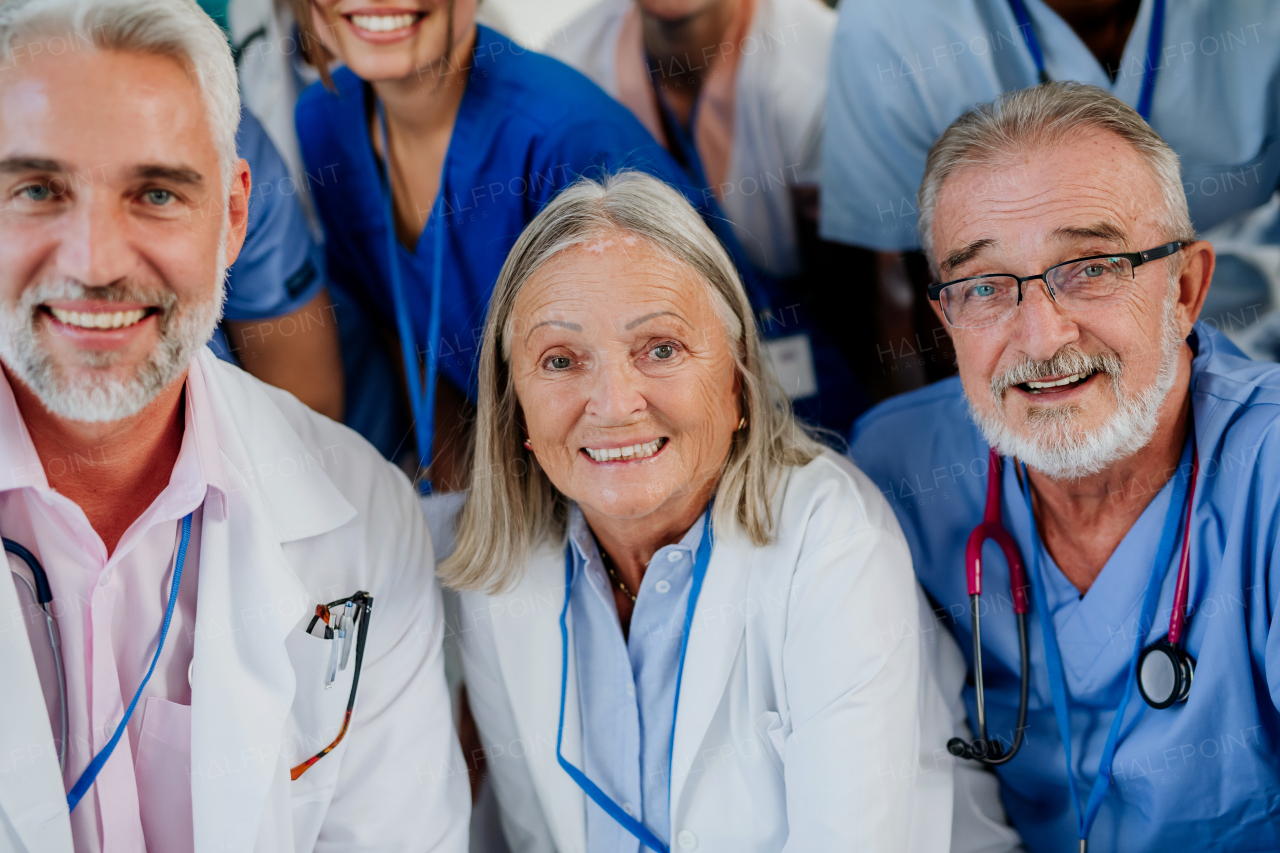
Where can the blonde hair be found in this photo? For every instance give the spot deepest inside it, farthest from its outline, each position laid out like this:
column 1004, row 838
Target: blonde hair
column 1041, row 117
column 512, row 506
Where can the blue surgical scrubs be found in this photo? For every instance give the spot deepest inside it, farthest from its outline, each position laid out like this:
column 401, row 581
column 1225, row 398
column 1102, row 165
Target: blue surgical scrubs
column 280, row 268
column 527, row 127
column 1202, row 775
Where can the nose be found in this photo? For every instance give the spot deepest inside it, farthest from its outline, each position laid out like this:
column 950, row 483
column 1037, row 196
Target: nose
column 1041, row 326
column 94, row 246
column 616, row 397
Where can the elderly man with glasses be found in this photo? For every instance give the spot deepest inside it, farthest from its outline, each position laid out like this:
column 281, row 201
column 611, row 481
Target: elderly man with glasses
column 1126, row 461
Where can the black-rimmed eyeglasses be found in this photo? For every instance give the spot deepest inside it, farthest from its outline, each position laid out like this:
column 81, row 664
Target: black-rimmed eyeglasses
column 1079, row 285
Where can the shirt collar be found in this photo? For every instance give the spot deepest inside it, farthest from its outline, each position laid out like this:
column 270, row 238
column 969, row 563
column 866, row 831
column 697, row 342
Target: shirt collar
column 584, row 542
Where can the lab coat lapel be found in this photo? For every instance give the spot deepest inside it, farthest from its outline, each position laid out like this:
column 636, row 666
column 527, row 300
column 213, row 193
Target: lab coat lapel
column 714, row 640
column 526, row 632
column 32, row 798
column 248, row 601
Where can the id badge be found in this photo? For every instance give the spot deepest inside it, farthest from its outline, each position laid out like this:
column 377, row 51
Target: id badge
column 792, row 360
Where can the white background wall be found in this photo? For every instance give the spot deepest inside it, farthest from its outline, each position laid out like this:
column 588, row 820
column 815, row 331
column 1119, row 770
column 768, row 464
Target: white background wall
column 531, row 22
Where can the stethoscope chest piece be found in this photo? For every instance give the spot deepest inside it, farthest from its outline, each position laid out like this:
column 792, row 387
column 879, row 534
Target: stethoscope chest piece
column 1164, row 674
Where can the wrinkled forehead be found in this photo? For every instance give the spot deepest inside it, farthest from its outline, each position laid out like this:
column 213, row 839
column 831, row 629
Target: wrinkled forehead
column 610, row 279
column 1025, row 198
column 106, row 112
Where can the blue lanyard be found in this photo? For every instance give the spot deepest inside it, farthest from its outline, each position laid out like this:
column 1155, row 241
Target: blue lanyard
column 422, row 400
column 1155, row 41
column 82, row 785
column 592, row 790
column 1057, row 682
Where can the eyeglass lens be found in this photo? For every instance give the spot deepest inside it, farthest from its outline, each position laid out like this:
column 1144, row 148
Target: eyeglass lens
column 1075, row 285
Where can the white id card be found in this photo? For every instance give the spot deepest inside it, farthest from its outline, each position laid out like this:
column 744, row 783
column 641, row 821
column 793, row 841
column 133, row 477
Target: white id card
column 792, row 359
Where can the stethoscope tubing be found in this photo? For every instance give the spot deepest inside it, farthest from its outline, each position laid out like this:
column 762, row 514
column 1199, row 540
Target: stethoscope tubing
column 43, row 594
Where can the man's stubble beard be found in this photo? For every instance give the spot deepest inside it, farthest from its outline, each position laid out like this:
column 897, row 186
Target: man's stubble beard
column 83, row 392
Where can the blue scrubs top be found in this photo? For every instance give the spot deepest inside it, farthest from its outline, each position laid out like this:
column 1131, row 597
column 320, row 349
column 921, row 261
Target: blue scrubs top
column 902, row 71
column 527, row 127
column 279, row 268
column 1202, row 775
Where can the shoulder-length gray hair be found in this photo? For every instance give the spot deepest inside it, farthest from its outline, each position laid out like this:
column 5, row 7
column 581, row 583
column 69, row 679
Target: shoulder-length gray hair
column 512, row 506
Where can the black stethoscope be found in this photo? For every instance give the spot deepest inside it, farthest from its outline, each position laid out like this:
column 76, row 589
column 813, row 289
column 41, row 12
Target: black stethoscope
column 43, row 594
column 1162, row 671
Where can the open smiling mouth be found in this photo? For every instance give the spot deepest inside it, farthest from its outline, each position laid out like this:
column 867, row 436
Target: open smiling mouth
column 1052, row 386
column 385, row 23
column 105, row 320
column 625, row 454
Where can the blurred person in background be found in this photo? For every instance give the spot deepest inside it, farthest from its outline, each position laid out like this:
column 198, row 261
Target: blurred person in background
column 446, row 138
column 736, row 90
column 1203, row 73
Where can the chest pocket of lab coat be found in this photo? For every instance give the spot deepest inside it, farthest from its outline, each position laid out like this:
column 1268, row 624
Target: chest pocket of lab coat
column 316, row 716
column 1216, row 192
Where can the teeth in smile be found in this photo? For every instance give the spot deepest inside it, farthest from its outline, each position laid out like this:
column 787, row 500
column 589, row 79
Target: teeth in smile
column 98, row 319
column 383, row 23
column 1075, row 377
column 635, row 451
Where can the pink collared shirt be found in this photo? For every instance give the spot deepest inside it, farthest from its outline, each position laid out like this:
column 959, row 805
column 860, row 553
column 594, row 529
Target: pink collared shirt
column 109, row 611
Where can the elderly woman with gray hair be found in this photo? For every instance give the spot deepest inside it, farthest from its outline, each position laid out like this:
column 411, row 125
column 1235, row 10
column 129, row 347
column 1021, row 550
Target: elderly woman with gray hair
column 686, row 623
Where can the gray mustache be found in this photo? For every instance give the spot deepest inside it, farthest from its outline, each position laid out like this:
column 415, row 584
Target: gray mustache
column 1065, row 361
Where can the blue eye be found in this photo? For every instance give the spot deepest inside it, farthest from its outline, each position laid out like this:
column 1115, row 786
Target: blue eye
column 159, row 197
column 36, row 192
column 560, row 362
column 983, row 291
column 663, row 352
column 1095, row 270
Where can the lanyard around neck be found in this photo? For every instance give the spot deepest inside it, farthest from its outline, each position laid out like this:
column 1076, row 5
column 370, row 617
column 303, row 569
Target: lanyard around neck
column 1053, row 655
column 592, row 790
column 422, row 388
column 1155, row 41
column 82, row 785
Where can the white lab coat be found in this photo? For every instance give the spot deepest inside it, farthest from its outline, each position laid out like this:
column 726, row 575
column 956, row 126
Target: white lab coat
column 314, row 514
column 817, row 700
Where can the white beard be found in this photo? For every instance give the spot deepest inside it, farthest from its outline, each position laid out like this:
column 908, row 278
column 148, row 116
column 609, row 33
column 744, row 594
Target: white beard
column 1059, row 448
column 85, row 391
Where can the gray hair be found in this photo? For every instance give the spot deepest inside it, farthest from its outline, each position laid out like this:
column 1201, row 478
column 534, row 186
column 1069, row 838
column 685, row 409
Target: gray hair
column 512, row 506
column 1041, row 117
column 174, row 28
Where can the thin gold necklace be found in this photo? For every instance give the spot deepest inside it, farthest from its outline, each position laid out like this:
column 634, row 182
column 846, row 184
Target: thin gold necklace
column 608, row 567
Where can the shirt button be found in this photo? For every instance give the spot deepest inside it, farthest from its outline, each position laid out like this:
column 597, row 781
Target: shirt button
column 629, row 809
column 687, row 839
column 631, row 690
column 662, row 586
column 673, row 556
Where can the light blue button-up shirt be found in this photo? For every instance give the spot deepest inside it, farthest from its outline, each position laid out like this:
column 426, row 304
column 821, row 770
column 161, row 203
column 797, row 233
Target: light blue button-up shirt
column 627, row 688
column 1201, row 775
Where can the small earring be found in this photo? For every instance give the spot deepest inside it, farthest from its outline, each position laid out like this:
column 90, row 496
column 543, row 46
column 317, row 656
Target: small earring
column 742, row 423
column 528, row 445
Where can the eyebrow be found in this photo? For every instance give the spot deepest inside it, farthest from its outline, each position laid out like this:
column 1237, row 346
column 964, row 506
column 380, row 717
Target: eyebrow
column 147, row 172
column 966, row 253
column 647, row 317
column 21, row 163
column 171, row 174
column 1108, row 232
column 573, row 327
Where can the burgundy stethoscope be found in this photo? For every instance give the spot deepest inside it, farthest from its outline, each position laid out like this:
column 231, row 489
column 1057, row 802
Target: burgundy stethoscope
column 1164, row 671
